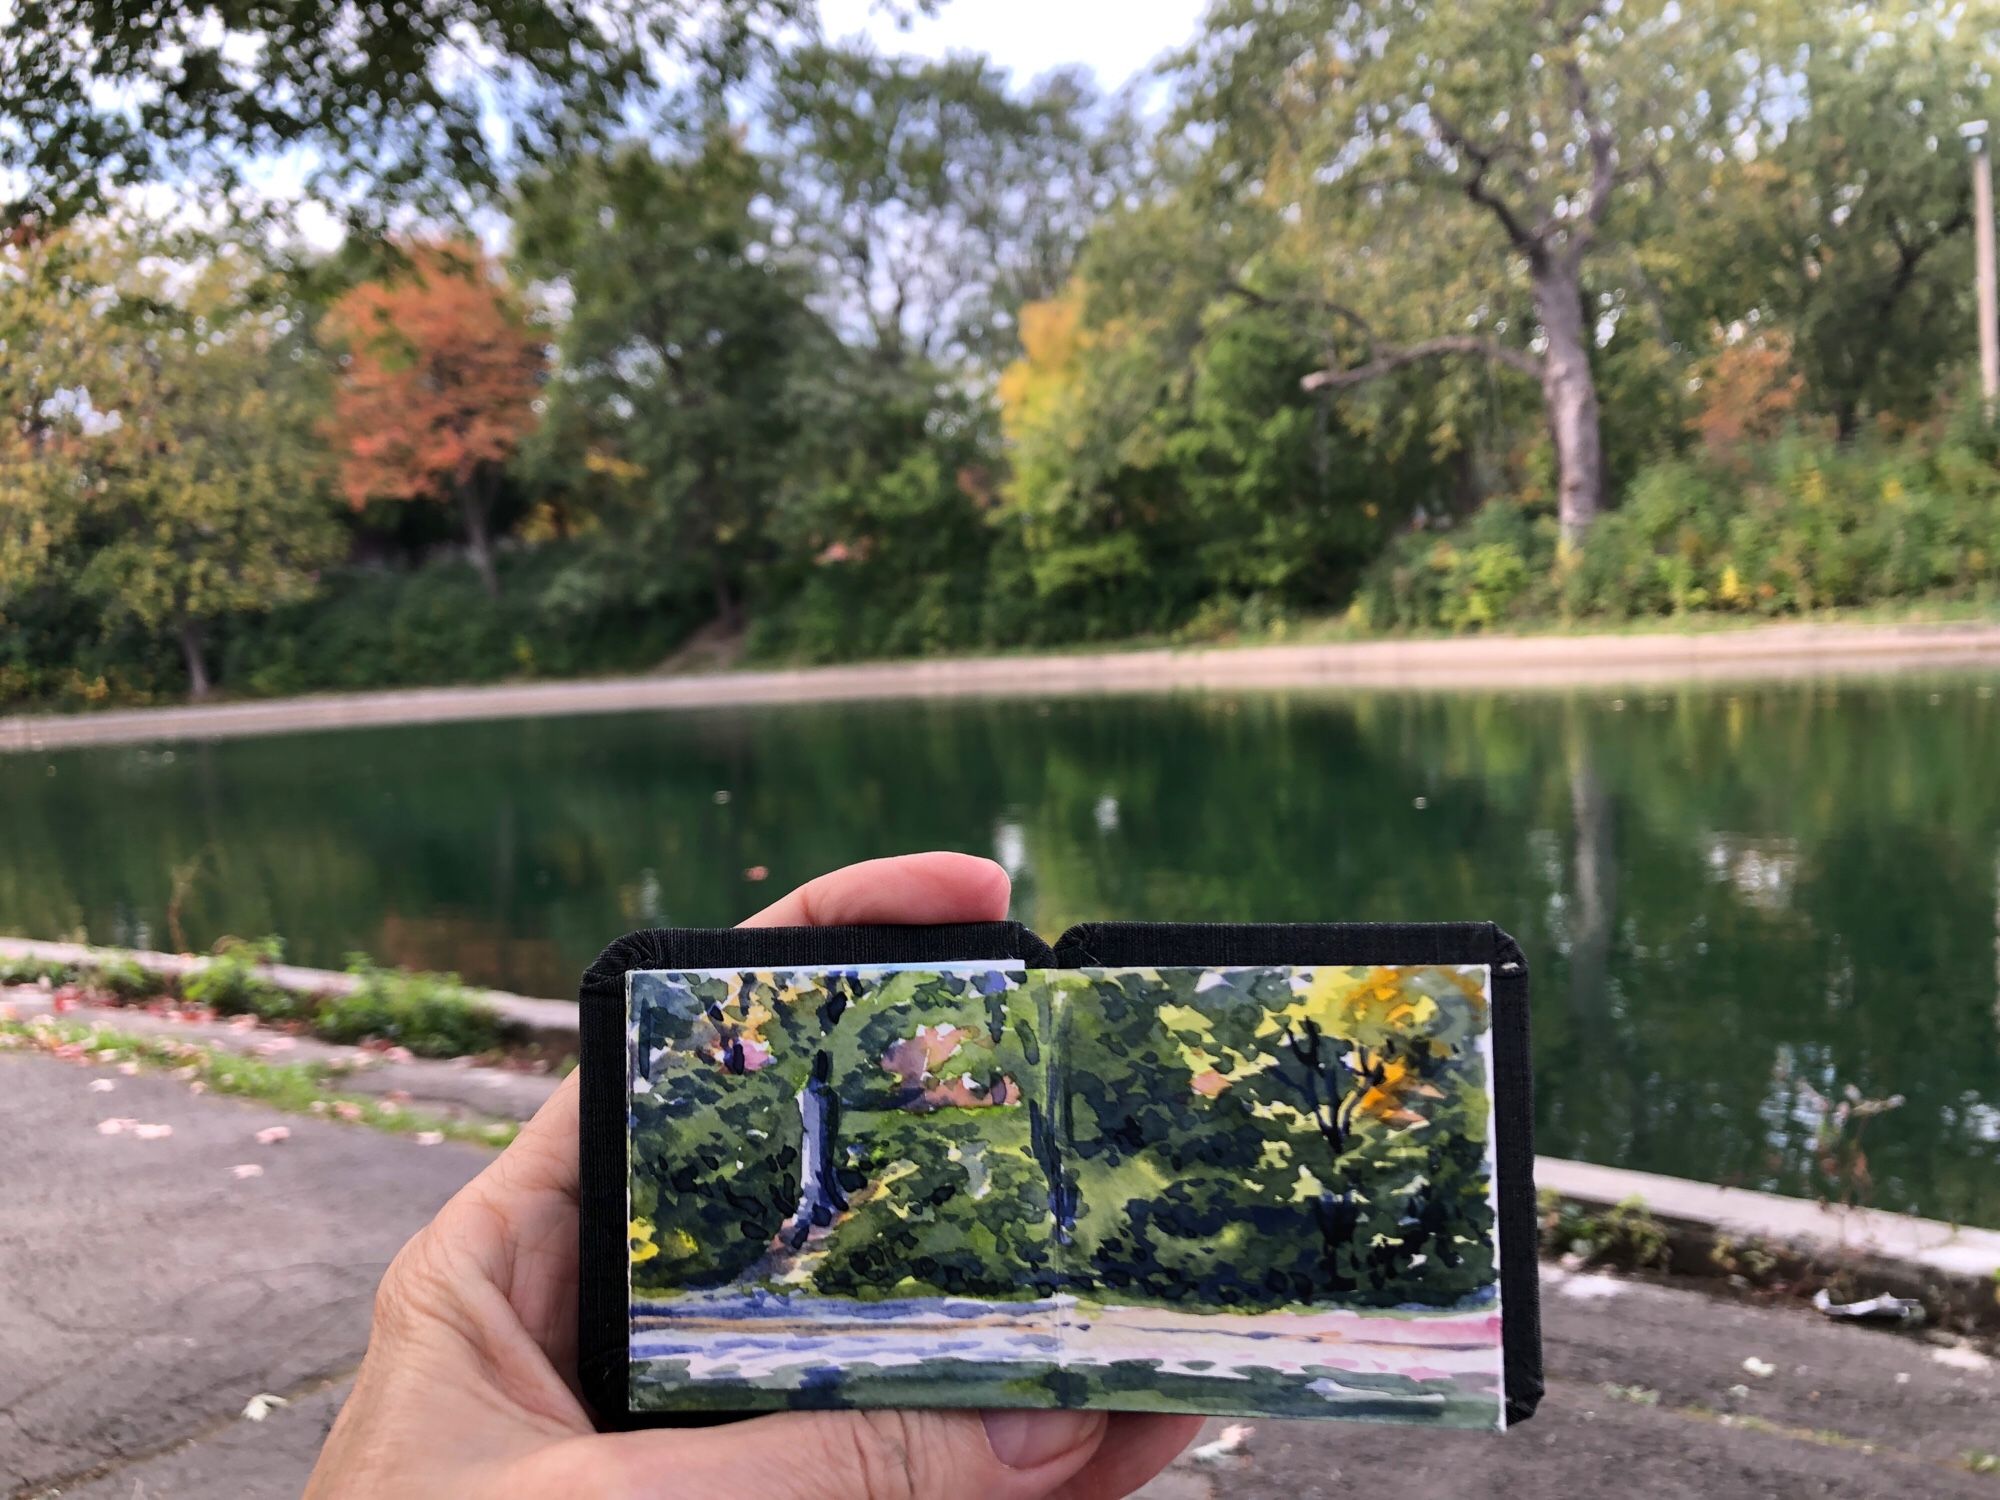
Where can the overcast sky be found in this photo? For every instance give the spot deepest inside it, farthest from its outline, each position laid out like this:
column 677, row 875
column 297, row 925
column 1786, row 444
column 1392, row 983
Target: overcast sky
column 1115, row 38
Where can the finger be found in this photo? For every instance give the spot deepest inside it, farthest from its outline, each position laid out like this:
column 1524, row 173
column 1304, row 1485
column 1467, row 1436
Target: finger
column 919, row 889
column 872, row 1455
column 1135, row 1448
column 543, row 1157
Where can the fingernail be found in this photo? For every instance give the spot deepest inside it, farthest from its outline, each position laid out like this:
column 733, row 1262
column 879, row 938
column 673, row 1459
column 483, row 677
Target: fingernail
column 1029, row 1439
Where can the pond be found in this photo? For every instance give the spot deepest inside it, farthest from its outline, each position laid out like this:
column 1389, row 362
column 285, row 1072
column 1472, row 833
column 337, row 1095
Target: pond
column 1739, row 902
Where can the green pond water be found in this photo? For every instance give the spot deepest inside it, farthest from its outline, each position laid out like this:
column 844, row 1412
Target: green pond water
column 1738, row 902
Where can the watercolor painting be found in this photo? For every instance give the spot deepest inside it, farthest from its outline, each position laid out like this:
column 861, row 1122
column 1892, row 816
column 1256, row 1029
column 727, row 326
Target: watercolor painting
column 1251, row 1191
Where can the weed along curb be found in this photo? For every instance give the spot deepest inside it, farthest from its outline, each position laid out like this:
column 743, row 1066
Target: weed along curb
column 548, row 1023
column 1791, row 1243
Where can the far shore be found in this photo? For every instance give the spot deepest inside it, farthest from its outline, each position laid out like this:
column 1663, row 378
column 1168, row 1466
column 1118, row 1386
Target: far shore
column 1499, row 662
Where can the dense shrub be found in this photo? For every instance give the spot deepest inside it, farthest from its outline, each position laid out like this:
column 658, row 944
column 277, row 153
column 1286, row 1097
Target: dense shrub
column 433, row 1015
column 1488, row 572
column 1782, row 528
column 371, row 628
column 233, row 983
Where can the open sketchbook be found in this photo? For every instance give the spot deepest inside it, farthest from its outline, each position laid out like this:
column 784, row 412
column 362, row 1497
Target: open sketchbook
column 1240, row 1188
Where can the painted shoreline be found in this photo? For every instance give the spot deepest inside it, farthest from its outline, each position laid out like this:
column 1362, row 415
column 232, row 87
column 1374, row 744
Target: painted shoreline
column 1466, row 662
column 1954, row 1267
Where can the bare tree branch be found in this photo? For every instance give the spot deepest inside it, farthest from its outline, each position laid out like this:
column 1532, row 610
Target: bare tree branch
column 1410, row 354
column 1477, row 189
column 1338, row 310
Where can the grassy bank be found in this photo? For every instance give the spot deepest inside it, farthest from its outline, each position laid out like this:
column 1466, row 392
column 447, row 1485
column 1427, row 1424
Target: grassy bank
column 1796, row 529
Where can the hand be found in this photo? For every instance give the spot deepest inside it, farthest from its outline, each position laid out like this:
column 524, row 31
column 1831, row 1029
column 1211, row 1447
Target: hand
column 467, row 1388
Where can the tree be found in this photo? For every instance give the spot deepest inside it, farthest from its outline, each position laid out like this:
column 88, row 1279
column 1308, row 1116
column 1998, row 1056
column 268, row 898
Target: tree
column 933, row 199
column 172, row 471
column 1164, row 451
column 1461, row 169
column 1848, row 228
column 438, row 388
column 54, row 444
column 675, row 372
column 384, row 102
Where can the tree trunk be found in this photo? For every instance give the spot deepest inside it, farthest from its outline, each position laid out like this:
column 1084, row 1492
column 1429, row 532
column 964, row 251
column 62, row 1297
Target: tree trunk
column 193, row 643
column 1569, row 392
column 728, row 607
column 472, row 509
column 820, row 1197
column 1052, row 1128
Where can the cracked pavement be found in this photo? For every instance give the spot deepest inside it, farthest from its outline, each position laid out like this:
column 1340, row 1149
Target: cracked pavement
column 150, row 1293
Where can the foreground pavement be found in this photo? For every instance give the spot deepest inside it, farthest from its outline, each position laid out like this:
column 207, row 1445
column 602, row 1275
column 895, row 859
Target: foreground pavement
column 152, row 1293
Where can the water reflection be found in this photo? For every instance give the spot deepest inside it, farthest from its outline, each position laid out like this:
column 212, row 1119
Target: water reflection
column 1728, row 893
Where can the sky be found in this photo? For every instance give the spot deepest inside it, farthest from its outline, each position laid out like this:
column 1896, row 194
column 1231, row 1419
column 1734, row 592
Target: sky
column 1114, row 38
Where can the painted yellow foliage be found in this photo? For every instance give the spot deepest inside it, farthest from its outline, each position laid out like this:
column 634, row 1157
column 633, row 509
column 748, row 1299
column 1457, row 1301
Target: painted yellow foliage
column 639, row 1235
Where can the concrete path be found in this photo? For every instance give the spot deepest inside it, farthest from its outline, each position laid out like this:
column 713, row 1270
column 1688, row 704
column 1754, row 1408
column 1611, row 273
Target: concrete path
column 1485, row 662
column 1649, row 1398
column 151, row 1293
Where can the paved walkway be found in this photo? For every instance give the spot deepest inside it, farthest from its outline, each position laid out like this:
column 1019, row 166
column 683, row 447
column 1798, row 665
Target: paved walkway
column 1488, row 662
column 152, row 1293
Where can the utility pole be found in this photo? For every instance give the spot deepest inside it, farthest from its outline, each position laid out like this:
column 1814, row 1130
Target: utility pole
column 1974, row 132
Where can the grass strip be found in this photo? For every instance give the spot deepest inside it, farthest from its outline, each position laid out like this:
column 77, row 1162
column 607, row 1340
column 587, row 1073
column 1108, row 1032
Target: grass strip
column 295, row 1087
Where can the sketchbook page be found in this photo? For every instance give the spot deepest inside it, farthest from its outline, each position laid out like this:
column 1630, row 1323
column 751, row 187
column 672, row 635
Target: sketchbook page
column 1258, row 1191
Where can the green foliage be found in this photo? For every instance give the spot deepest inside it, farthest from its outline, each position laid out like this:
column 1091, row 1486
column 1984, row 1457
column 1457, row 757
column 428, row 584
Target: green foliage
column 373, row 628
column 1489, row 572
column 674, row 413
column 123, row 979
column 1778, row 528
column 434, row 1015
column 1797, row 525
column 232, row 984
column 35, row 970
column 1127, row 1136
column 1625, row 1235
column 384, row 103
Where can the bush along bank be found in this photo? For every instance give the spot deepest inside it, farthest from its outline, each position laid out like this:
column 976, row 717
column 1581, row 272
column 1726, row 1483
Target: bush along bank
column 1777, row 529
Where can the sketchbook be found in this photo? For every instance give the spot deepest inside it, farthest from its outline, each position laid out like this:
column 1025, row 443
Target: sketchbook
column 1276, row 1171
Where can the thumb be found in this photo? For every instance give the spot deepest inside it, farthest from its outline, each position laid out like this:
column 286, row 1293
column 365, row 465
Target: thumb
column 865, row 1455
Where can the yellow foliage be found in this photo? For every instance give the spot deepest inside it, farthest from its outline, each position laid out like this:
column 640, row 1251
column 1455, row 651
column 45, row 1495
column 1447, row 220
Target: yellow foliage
column 1041, row 379
column 639, row 1238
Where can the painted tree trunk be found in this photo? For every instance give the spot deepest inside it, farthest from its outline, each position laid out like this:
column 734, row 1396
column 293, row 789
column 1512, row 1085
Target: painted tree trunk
column 1052, row 1118
column 1569, row 395
column 820, row 1197
column 194, row 653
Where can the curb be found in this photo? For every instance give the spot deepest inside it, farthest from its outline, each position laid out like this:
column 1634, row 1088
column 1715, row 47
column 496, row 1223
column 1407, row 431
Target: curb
column 1953, row 1269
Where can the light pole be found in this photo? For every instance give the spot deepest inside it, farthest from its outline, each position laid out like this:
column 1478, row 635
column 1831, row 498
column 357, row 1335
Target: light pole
column 1974, row 132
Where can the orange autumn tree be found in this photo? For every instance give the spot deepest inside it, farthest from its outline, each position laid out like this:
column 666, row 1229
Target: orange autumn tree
column 437, row 389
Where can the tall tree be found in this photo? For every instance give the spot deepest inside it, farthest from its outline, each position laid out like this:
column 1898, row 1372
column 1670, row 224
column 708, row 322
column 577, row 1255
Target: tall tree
column 671, row 398
column 933, row 198
column 438, row 387
column 387, row 101
column 1461, row 168
column 1846, row 220
column 174, row 473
